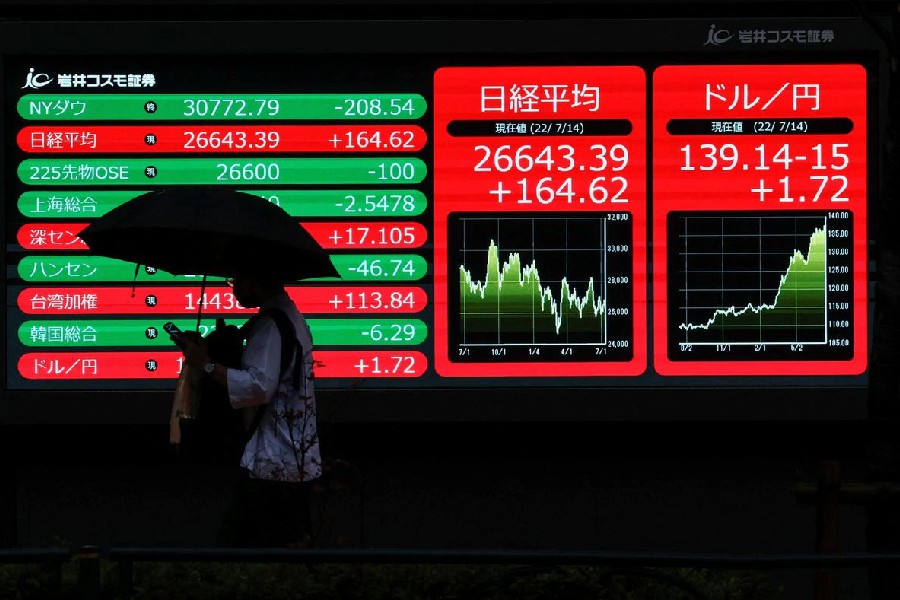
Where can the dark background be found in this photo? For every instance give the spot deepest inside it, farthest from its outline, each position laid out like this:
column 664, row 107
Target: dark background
column 613, row 486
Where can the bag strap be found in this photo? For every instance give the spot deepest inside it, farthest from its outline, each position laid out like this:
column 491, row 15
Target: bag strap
column 288, row 348
column 287, row 332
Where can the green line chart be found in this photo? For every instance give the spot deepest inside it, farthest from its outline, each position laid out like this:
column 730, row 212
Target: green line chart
column 527, row 284
column 511, row 297
column 761, row 281
column 798, row 305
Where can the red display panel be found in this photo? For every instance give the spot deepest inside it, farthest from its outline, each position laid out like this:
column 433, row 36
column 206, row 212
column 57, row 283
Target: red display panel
column 205, row 139
column 759, row 219
column 214, row 300
column 539, row 221
column 166, row 364
column 331, row 235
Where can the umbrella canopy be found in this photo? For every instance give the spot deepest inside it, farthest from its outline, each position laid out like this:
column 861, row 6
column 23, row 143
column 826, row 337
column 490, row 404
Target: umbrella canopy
column 208, row 231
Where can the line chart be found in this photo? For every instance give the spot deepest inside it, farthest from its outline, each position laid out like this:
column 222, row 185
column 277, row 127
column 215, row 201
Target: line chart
column 531, row 283
column 762, row 281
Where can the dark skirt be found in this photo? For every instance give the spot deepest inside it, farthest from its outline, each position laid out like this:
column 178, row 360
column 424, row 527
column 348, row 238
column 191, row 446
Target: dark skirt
column 267, row 514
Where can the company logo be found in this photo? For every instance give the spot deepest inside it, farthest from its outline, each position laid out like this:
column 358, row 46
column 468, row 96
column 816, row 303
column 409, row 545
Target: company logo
column 717, row 37
column 36, row 81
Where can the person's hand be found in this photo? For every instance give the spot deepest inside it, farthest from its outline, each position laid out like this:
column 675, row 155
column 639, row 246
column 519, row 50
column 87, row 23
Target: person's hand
column 195, row 351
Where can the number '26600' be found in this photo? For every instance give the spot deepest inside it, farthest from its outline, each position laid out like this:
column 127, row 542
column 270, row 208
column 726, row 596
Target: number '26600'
column 248, row 171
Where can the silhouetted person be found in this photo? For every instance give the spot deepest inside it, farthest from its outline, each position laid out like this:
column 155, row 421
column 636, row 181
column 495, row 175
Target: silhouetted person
column 274, row 388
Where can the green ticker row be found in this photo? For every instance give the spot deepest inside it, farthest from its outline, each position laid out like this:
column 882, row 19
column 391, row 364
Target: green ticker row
column 94, row 269
column 220, row 107
column 299, row 203
column 220, row 171
column 149, row 332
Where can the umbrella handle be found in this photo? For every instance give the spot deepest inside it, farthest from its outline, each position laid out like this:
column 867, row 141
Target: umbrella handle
column 137, row 268
column 201, row 303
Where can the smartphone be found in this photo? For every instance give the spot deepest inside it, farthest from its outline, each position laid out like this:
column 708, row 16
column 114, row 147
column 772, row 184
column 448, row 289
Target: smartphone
column 175, row 334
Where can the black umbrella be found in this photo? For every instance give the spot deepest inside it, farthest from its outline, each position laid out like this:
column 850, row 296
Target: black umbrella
column 208, row 231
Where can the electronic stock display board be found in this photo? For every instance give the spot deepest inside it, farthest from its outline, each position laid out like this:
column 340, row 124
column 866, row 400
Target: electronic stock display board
column 502, row 220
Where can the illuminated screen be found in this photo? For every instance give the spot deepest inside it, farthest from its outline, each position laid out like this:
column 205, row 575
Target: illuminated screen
column 539, row 248
column 760, row 188
column 691, row 218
